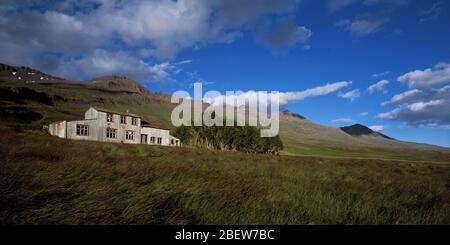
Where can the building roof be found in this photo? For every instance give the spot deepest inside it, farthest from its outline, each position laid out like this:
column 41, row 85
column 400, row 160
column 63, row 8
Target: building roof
column 154, row 125
column 117, row 112
column 173, row 137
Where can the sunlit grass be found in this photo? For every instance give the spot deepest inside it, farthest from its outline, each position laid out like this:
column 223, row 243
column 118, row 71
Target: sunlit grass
column 46, row 180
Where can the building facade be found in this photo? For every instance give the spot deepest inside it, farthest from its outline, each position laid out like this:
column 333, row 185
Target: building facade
column 108, row 126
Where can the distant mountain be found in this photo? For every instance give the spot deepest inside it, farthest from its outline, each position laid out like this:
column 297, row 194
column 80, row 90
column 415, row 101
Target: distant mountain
column 292, row 114
column 304, row 137
column 118, row 84
column 358, row 130
column 28, row 75
column 106, row 83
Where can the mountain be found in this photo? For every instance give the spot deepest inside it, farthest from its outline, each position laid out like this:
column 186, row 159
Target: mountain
column 107, row 83
column 118, row 84
column 303, row 137
column 300, row 136
column 292, row 114
column 27, row 75
column 359, row 130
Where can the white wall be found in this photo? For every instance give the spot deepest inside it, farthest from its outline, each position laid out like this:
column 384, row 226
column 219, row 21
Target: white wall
column 97, row 125
column 176, row 141
column 91, row 114
column 155, row 132
column 96, row 120
column 57, row 129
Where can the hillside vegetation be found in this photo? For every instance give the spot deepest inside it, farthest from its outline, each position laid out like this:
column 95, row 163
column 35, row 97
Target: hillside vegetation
column 244, row 139
column 47, row 180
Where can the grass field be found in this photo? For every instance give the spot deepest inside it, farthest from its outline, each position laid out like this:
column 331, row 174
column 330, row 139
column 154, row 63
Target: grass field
column 322, row 177
column 46, row 180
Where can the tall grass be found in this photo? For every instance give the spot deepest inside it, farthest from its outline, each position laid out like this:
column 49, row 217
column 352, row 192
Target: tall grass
column 46, row 180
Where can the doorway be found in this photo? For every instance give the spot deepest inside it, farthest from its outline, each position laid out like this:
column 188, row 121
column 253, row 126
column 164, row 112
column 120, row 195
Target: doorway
column 144, row 138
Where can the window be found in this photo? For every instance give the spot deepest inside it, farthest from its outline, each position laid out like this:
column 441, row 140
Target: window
column 82, row 130
column 152, row 140
column 109, row 117
column 159, row 140
column 111, row 133
column 171, row 142
column 129, row 135
column 134, row 121
column 123, row 119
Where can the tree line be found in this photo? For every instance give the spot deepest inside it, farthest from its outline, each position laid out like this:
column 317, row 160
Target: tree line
column 244, row 139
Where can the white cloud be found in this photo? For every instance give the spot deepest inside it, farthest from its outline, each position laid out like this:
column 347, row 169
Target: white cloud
column 351, row 95
column 184, row 62
column 428, row 77
column 427, row 107
column 433, row 113
column 137, row 31
column 103, row 63
column 312, row 92
column 363, row 114
column 343, row 120
column 389, row 115
column 363, row 25
column 402, row 97
column 381, row 74
column 416, row 95
column 284, row 97
column 433, row 12
column 398, row 98
column 377, row 87
column 335, row 5
column 286, row 35
column 420, row 106
column 377, row 128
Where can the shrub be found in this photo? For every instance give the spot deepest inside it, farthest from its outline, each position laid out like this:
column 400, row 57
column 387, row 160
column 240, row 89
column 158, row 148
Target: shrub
column 245, row 139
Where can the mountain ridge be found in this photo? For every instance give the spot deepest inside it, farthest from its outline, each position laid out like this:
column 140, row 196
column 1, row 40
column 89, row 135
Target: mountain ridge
column 118, row 84
column 108, row 83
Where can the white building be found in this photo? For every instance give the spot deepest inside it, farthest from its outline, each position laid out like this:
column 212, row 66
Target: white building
column 109, row 126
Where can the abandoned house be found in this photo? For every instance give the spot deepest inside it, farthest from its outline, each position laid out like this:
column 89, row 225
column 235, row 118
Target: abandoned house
column 109, row 126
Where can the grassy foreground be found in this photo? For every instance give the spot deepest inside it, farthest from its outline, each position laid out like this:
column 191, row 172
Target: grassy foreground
column 46, row 180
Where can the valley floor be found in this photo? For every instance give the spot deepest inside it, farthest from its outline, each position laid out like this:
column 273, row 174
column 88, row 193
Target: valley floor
column 46, row 180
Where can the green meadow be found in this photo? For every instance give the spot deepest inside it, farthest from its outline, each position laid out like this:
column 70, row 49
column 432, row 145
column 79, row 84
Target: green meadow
column 46, row 180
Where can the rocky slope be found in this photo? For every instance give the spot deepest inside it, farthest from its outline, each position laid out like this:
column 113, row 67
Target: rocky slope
column 107, row 83
column 27, row 75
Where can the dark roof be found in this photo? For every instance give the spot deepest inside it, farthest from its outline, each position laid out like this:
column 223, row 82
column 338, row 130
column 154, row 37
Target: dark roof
column 116, row 112
column 154, row 125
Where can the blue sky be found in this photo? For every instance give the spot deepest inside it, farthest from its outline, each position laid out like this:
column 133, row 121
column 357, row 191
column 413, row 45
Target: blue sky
column 285, row 46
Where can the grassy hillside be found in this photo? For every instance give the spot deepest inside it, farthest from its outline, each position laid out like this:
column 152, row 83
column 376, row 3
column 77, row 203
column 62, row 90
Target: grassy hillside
column 47, row 180
column 72, row 100
column 299, row 137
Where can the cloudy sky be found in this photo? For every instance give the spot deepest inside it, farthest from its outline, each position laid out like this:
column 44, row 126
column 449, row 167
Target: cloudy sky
column 382, row 63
